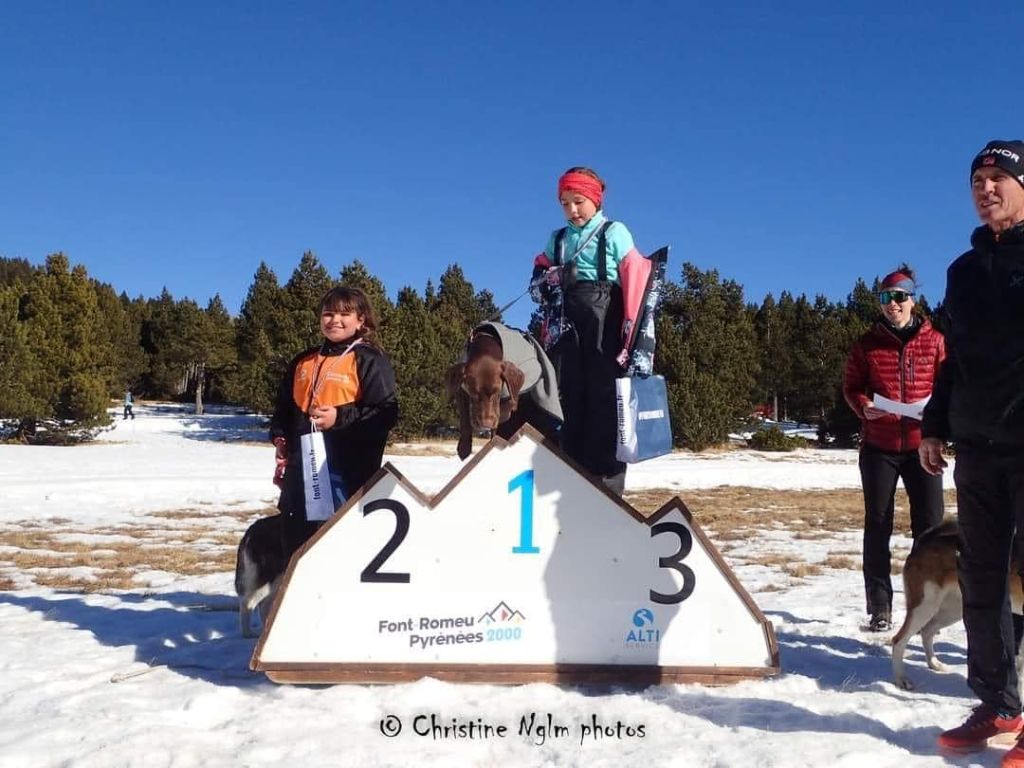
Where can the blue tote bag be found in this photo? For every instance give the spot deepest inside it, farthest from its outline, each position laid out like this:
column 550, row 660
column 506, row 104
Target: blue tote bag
column 644, row 428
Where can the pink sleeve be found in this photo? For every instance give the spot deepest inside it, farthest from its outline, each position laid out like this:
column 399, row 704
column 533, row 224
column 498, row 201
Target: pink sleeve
column 634, row 273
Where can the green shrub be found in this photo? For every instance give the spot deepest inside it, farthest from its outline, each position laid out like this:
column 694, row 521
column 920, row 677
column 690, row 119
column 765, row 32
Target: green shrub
column 773, row 439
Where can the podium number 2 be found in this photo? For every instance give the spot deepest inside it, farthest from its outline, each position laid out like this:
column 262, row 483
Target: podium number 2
column 372, row 571
column 675, row 562
column 524, row 482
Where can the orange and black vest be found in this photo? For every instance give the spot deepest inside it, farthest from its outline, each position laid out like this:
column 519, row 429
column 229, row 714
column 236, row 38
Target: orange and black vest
column 360, row 384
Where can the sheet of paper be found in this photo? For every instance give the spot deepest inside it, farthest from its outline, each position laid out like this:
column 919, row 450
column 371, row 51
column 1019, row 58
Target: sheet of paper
column 911, row 410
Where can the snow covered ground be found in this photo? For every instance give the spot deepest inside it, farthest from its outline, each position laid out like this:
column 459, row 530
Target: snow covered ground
column 158, row 675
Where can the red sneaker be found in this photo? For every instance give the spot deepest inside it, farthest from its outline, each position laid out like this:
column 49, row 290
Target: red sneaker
column 1015, row 757
column 982, row 724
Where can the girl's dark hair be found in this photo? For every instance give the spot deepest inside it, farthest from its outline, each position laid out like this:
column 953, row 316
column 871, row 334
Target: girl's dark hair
column 348, row 299
column 907, row 270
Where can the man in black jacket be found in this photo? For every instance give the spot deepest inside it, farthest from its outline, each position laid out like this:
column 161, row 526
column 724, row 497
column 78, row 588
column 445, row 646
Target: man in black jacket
column 978, row 403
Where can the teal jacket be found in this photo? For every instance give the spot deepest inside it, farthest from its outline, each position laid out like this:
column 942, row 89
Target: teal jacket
column 619, row 245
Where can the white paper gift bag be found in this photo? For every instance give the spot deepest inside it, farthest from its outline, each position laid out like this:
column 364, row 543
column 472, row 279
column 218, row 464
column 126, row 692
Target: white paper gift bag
column 316, row 477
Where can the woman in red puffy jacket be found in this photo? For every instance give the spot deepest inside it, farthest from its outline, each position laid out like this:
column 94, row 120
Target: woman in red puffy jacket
column 897, row 359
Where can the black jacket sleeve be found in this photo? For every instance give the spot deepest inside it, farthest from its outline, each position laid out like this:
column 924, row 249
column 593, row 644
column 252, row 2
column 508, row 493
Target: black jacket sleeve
column 935, row 421
column 282, row 420
column 377, row 406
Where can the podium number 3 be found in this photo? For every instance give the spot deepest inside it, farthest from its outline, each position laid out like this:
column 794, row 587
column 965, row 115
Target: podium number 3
column 675, row 562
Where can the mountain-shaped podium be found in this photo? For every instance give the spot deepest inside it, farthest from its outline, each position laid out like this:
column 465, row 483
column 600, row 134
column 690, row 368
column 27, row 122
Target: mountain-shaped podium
column 521, row 569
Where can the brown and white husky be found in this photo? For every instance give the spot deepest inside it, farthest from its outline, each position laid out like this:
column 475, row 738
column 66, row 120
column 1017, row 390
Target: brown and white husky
column 932, row 593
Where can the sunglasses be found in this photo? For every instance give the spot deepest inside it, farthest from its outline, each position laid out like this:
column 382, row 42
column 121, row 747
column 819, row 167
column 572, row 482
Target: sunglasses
column 898, row 296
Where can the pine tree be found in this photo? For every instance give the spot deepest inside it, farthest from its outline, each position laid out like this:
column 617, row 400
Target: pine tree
column 15, row 271
column 420, row 359
column 124, row 330
column 828, row 336
column 18, row 398
column 862, row 303
column 707, row 350
column 486, row 307
column 302, row 294
column 64, row 330
column 162, row 341
column 356, row 275
column 211, row 337
column 457, row 307
column 261, row 343
column 775, row 378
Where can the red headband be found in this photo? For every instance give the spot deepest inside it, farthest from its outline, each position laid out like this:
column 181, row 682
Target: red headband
column 900, row 281
column 586, row 185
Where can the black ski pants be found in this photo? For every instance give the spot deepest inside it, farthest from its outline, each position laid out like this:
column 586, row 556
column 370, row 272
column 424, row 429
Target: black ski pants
column 990, row 500
column 879, row 471
column 584, row 361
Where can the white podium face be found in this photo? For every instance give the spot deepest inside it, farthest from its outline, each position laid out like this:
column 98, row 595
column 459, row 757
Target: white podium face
column 521, row 569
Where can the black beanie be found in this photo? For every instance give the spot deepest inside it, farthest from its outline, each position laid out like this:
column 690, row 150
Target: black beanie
column 1005, row 154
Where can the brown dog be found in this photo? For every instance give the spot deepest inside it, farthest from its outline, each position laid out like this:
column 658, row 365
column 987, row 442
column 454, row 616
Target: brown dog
column 475, row 387
column 932, row 593
column 505, row 382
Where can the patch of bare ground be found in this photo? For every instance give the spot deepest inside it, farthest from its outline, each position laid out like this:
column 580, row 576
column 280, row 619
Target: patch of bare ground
column 110, row 558
column 733, row 512
column 202, row 514
column 841, row 562
column 772, row 559
column 428, row 448
column 56, row 553
column 801, row 570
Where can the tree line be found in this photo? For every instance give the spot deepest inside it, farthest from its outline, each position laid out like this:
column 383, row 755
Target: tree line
column 69, row 343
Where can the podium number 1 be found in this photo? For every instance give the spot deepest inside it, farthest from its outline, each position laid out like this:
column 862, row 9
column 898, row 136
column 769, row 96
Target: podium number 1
column 524, row 482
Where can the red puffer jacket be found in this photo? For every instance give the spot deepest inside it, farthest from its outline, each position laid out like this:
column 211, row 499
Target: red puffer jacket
column 880, row 363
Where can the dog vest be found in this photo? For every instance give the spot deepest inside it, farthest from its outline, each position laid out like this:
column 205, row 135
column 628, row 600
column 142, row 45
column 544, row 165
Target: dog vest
column 526, row 353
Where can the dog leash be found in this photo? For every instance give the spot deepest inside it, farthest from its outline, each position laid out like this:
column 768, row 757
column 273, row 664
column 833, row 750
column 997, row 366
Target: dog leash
column 541, row 279
column 501, row 311
column 228, row 674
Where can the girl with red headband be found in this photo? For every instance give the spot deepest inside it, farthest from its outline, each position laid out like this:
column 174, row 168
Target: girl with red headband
column 586, row 263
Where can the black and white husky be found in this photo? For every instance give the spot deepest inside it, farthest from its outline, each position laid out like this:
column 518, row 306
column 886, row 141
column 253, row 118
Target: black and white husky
column 258, row 569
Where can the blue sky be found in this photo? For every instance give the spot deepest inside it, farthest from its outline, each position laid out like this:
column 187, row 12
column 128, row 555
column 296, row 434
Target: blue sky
column 786, row 144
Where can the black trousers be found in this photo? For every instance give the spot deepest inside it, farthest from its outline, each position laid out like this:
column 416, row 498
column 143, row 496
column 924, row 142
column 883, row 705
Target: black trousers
column 584, row 361
column 990, row 499
column 879, row 471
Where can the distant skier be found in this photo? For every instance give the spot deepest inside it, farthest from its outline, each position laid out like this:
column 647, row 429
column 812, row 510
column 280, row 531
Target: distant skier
column 129, row 401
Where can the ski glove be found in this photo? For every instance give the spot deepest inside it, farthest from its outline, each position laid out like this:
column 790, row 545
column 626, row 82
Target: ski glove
column 544, row 283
